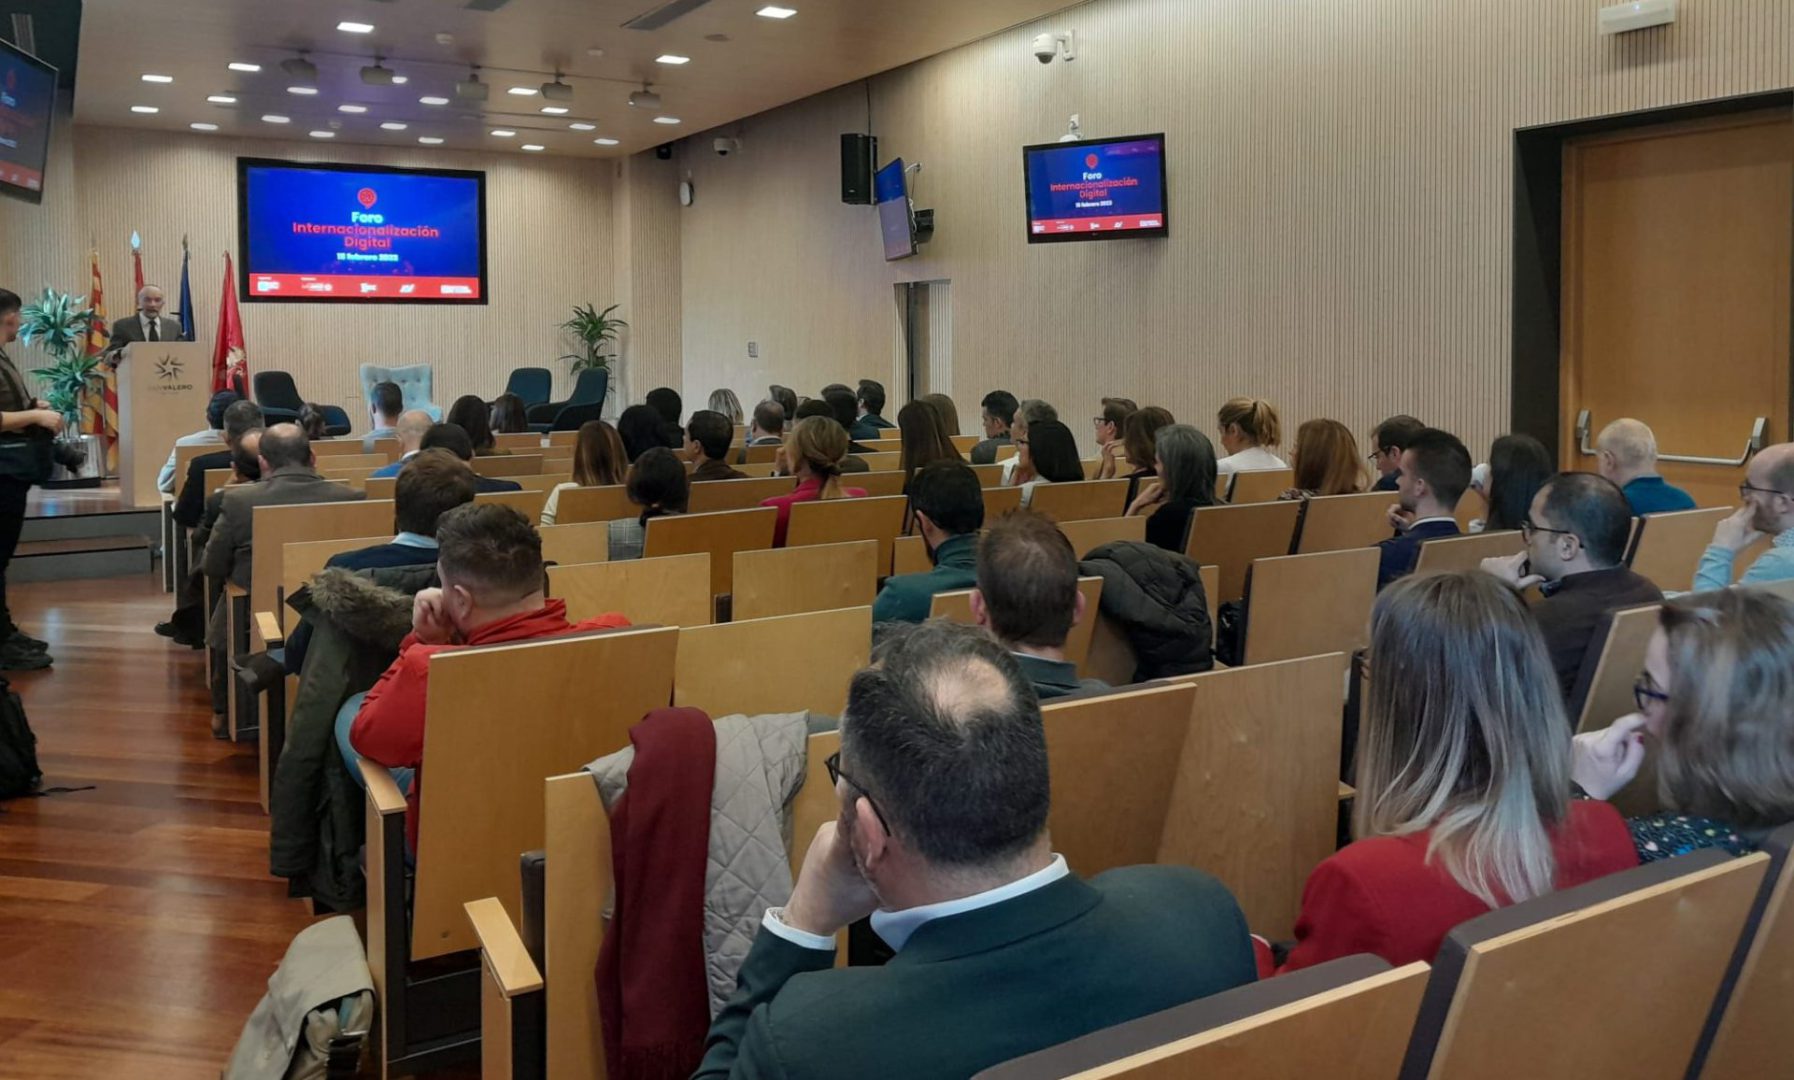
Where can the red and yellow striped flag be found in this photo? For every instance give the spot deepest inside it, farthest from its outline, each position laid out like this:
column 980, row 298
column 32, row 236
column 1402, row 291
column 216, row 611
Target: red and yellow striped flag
column 99, row 406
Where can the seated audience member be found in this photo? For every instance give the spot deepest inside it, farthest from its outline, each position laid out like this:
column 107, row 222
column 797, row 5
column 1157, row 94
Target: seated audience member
column 1028, row 598
column 598, row 461
column 658, row 484
column 490, row 561
column 1137, row 441
column 1389, row 440
column 510, row 416
column 1576, row 533
column 850, row 462
column 1626, row 453
column 787, row 399
column 1767, row 510
column 725, row 402
column 240, row 418
column 707, row 439
column 949, row 412
column 665, row 401
column 766, row 429
column 311, row 421
column 1110, row 427
column 642, row 430
column 187, row 624
column 450, row 437
column 1248, row 428
column 1463, row 799
column 213, row 435
column 1435, row 472
column 414, row 424
column 1325, row 460
column 999, row 413
column 1518, row 466
column 813, row 450
column 385, row 405
column 924, row 441
column 1001, row 949
column 846, row 409
column 948, row 506
column 871, row 399
column 474, row 416
column 1716, row 696
column 1185, row 466
column 1028, row 412
column 1048, row 452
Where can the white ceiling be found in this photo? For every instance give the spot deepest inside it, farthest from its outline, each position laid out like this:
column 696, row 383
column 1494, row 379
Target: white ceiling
column 741, row 64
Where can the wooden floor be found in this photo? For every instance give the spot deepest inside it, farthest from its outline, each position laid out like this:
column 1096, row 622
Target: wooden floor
column 138, row 923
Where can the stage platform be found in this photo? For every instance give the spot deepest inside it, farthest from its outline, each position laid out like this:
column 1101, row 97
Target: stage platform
column 85, row 532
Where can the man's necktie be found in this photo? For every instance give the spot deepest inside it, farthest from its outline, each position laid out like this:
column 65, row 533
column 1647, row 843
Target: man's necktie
column 155, row 329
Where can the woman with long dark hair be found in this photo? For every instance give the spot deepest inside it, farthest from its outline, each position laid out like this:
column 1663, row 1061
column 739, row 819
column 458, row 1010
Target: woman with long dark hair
column 659, row 485
column 598, row 461
column 509, row 415
column 1049, row 453
column 641, row 427
column 924, row 439
column 474, row 416
column 1519, row 465
column 1185, row 464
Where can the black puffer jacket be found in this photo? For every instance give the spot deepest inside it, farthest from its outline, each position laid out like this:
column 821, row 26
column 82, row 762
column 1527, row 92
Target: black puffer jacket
column 358, row 619
column 1156, row 598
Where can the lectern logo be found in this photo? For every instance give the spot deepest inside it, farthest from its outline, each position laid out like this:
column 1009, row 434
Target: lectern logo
column 168, row 369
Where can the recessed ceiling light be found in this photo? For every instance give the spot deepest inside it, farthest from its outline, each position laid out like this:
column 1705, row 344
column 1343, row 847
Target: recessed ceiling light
column 431, row 99
column 605, row 142
column 532, row 147
column 429, row 140
column 773, row 11
column 672, row 58
column 524, row 91
column 145, row 109
column 400, row 80
column 203, row 127
column 666, row 120
column 394, row 125
column 355, row 27
column 239, row 65
column 222, row 99
column 578, row 126
column 555, row 110
column 323, row 134
column 502, row 133
column 276, row 118
column 158, row 78
column 302, row 91
column 352, row 108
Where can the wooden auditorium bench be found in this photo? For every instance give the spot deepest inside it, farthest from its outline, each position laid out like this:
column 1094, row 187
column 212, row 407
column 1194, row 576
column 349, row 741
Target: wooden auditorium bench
column 1466, row 552
column 1081, row 500
column 1338, row 522
column 819, row 577
column 1667, row 548
column 674, row 591
column 606, row 503
column 1304, row 605
column 1746, row 1033
column 719, row 534
column 564, row 545
column 712, row 495
column 840, row 520
column 1231, row 537
column 787, row 663
column 1259, row 485
column 508, row 465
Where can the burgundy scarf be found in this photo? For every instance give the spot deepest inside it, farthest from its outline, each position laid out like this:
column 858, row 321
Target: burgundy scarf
column 652, row 994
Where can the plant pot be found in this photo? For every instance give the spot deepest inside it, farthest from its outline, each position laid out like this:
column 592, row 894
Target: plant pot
column 92, row 472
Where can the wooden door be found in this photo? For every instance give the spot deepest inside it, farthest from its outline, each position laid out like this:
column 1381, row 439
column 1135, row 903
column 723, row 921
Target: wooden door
column 1676, row 291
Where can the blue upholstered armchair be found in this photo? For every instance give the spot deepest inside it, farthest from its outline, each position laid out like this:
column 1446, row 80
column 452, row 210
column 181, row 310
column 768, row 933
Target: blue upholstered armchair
column 414, row 382
column 588, row 391
column 281, row 402
column 532, row 384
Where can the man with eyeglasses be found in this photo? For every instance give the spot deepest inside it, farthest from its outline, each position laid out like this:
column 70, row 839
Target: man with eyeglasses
column 1390, row 439
column 1576, row 532
column 1767, row 509
column 1000, row 949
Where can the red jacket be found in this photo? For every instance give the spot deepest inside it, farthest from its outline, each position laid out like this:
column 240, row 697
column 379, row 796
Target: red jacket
column 1380, row 896
column 389, row 729
column 806, row 492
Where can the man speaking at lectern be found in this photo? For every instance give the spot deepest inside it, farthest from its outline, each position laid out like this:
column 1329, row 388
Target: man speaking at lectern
column 148, row 324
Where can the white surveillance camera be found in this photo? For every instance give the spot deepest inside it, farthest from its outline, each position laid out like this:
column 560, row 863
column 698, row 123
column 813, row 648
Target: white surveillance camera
column 1045, row 48
column 725, row 147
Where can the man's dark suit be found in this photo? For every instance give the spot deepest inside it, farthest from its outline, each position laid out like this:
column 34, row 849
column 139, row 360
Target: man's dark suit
column 190, row 502
column 1401, row 552
column 484, row 485
column 969, row 991
column 228, row 551
column 130, row 328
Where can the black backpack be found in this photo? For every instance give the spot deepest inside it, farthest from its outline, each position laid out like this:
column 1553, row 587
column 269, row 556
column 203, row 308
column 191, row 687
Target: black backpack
column 19, row 774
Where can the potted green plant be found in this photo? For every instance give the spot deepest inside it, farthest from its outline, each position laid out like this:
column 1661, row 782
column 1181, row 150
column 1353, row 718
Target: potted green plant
column 59, row 323
column 594, row 331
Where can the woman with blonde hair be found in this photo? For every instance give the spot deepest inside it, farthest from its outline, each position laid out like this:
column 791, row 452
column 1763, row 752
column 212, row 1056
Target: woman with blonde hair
column 1463, row 780
column 1717, row 696
column 924, row 440
column 599, row 460
column 1248, row 426
column 949, row 412
column 1325, row 460
column 813, row 452
column 724, row 401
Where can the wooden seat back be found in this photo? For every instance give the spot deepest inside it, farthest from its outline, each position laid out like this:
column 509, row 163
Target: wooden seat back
column 1230, row 538
column 1615, row 656
column 964, row 443
column 1338, row 522
column 989, row 476
column 390, row 448
column 507, row 465
column 527, row 503
column 1347, row 1019
column 1257, row 797
column 609, row 502
column 787, row 663
column 819, row 577
column 301, row 560
column 1305, row 605
column 217, row 478
column 720, row 535
column 564, row 702
column 1472, row 506
column 381, row 487
column 1667, row 548
column 909, row 555
column 335, row 450
column 1259, row 485
column 1001, row 500
column 883, row 446
column 565, row 439
column 518, row 440
column 1453, row 553
column 356, row 460
column 274, row 527
column 184, row 455
column 757, row 454
column 1746, row 1034
column 956, row 606
column 1612, row 978
column 878, row 484
column 840, row 520
column 674, row 591
column 586, row 542
column 546, row 481
column 875, row 463
column 355, row 476
column 1086, row 536
column 708, row 496
column 1080, row 500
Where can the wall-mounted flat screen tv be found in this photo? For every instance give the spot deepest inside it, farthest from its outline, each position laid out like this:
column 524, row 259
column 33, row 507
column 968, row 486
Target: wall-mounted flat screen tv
column 27, row 103
column 1097, row 189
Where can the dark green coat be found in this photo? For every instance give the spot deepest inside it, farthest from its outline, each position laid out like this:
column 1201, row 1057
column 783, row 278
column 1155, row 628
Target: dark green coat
column 907, row 597
column 973, row 990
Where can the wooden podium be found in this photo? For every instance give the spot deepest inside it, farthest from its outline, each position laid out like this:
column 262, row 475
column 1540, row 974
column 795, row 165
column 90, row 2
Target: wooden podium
column 163, row 389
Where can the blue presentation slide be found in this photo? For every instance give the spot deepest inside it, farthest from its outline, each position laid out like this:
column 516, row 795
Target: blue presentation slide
column 27, row 92
column 1096, row 188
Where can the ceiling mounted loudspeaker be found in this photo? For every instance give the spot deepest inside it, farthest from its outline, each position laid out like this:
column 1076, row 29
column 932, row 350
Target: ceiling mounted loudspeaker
column 1637, row 15
column 471, row 88
column 377, row 74
column 557, row 90
column 644, row 99
column 300, row 68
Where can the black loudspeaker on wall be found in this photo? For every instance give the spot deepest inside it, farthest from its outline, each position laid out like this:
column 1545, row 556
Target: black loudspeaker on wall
column 858, row 154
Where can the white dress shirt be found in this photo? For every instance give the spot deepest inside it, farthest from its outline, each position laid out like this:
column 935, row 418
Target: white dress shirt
column 1251, row 459
column 896, row 927
column 147, row 322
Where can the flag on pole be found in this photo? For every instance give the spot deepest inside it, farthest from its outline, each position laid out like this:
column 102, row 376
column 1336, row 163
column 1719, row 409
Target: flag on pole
column 186, row 294
column 230, row 363
column 136, row 265
column 99, row 333
column 99, row 406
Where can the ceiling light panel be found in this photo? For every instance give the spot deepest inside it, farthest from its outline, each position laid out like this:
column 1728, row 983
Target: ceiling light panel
column 348, row 27
column 773, row 11
column 239, row 65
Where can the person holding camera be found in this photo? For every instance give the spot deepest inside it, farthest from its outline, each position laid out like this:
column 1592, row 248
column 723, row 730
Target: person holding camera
column 28, row 428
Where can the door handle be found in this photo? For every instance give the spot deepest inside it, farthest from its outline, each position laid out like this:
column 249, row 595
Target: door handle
column 1751, row 446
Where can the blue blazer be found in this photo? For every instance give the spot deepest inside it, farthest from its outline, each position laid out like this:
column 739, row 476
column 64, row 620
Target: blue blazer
column 1400, row 552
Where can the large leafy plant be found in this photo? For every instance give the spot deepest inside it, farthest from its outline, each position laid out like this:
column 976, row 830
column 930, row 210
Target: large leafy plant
column 59, row 324
column 594, row 331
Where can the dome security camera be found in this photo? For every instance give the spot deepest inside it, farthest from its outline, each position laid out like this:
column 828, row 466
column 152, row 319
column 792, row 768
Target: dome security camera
column 725, row 146
column 1045, row 48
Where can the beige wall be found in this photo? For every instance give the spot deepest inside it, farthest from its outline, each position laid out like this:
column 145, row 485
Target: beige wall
column 549, row 246
column 1341, row 179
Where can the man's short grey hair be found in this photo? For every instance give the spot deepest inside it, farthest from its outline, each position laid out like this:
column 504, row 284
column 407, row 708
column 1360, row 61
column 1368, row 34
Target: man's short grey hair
column 1631, row 442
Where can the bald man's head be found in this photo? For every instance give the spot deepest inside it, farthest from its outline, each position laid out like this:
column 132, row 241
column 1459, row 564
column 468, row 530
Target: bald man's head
column 1770, row 493
column 285, row 446
column 412, row 426
column 1626, row 449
